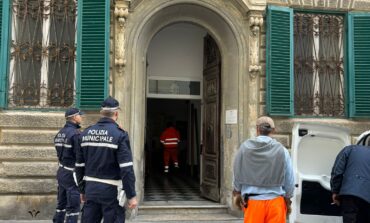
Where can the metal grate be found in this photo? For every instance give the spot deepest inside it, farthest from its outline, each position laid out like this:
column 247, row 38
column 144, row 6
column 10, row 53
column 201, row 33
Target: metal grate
column 318, row 65
column 42, row 53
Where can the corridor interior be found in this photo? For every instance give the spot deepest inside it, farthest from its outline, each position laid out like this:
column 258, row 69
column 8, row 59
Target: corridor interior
column 180, row 184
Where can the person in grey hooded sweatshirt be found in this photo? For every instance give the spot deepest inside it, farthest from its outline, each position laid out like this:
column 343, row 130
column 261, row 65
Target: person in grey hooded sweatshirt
column 263, row 176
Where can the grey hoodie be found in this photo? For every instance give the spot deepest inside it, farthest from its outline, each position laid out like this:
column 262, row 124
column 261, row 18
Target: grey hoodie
column 259, row 163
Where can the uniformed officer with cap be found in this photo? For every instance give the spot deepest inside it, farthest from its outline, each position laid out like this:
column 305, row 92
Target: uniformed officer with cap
column 66, row 142
column 104, row 168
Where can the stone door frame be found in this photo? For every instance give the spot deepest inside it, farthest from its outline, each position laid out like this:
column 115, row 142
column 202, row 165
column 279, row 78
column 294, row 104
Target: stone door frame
column 227, row 24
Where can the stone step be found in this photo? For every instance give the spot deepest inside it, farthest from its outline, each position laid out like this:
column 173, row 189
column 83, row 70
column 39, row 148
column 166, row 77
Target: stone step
column 186, row 218
column 27, row 153
column 28, row 169
column 25, row 207
column 19, row 119
column 37, row 120
column 184, row 212
column 27, row 137
column 182, row 209
column 30, row 186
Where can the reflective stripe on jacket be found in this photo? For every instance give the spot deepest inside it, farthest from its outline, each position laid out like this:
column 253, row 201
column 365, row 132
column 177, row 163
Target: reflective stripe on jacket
column 170, row 138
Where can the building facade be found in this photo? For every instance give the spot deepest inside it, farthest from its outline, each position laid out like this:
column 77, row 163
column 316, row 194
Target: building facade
column 297, row 60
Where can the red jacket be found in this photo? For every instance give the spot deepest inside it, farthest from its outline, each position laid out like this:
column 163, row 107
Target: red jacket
column 170, row 138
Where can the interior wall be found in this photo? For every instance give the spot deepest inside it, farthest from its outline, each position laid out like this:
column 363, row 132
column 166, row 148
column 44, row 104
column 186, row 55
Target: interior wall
column 177, row 51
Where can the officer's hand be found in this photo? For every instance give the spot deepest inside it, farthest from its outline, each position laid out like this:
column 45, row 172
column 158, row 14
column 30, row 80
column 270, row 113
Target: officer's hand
column 132, row 203
column 82, row 198
column 335, row 198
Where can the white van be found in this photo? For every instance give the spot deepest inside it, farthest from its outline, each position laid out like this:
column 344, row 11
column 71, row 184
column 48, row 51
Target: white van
column 314, row 149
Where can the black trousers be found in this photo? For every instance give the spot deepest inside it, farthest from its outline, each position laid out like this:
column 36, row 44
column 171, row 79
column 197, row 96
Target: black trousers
column 354, row 209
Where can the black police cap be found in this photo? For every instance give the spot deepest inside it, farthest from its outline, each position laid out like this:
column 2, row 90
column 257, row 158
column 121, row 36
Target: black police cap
column 72, row 112
column 110, row 104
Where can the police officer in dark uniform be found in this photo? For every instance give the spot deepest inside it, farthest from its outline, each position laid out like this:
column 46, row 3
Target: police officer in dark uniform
column 66, row 142
column 104, row 168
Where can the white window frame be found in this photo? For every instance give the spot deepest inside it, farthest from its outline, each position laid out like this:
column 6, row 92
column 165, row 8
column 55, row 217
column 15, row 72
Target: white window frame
column 174, row 96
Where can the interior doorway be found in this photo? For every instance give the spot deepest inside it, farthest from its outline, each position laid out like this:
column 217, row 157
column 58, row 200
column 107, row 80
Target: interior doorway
column 182, row 183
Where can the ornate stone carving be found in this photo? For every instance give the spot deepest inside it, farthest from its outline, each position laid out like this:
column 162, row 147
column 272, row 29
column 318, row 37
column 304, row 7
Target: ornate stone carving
column 255, row 24
column 121, row 14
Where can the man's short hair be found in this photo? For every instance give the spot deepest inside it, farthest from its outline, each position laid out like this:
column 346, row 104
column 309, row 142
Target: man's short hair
column 364, row 139
column 264, row 129
column 107, row 113
column 70, row 118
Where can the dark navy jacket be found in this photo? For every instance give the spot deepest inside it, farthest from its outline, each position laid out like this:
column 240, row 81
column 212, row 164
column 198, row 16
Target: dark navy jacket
column 105, row 153
column 351, row 172
column 66, row 142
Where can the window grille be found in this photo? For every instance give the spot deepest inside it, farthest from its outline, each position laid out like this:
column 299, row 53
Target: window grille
column 318, row 64
column 42, row 53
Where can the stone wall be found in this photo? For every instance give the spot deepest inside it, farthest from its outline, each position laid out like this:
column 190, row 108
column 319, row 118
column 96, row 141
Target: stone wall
column 28, row 163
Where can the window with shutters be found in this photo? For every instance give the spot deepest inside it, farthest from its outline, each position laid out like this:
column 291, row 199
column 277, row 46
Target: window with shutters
column 42, row 53
column 318, row 64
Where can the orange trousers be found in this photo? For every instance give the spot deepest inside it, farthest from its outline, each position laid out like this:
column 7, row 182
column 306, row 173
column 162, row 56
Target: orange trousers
column 169, row 153
column 265, row 211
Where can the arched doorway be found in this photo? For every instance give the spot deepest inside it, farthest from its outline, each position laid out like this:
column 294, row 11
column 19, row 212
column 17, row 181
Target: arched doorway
column 225, row 25
column 183, row 88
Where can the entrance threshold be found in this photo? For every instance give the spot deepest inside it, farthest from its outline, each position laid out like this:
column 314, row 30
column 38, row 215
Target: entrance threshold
column 185, row 212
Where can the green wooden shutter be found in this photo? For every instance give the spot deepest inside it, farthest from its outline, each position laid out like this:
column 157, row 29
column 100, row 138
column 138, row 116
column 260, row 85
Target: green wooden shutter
column 92, row 53
column 359, row 64
column 279, row 61
column 4, row 32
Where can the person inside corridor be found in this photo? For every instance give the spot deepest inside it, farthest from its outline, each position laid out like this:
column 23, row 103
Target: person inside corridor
column 66, row 143
column 170, row 138
column 263, row 176
column 350, row 181
column 104, row 168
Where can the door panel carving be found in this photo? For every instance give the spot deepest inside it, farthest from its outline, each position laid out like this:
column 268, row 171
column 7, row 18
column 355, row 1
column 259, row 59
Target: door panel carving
column 210, row 186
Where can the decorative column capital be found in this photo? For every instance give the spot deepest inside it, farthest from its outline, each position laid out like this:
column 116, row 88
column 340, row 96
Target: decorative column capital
column 121, row 13
column 255, row 21
column 255, row 25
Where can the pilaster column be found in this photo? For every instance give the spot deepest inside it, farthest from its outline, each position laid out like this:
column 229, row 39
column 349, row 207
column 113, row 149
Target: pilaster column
column 120, row 13
column 255, row 25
